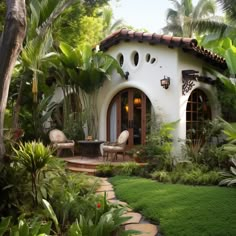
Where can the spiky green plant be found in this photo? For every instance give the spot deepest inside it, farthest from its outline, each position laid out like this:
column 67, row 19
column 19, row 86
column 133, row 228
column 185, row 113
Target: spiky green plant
column 34, row 156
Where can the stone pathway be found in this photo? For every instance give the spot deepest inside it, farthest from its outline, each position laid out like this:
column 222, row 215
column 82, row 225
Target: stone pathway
column 137, row 221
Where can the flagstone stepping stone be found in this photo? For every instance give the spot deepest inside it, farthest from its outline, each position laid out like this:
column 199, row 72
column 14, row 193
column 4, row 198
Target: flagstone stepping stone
column 105, row 184
column 146, row 229
column 103, row 178
column 135, row 218
column 109, row 194
column 118, row 202
column 105, row 188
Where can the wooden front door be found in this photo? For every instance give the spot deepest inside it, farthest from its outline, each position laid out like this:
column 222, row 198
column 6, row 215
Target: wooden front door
column 129, row 110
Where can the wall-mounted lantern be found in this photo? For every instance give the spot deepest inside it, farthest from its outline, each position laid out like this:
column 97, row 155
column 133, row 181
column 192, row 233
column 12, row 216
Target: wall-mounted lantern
column 165, row 83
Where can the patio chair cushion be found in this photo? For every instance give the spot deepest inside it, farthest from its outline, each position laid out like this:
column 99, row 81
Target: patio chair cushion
column 116, row 147
column 107, row 148
column 60, row 141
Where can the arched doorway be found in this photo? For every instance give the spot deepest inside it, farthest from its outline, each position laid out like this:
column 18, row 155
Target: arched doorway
column 198, row 111
column 130, row 109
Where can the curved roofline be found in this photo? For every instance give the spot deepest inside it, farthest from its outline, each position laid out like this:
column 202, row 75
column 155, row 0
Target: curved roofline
column 188, row 45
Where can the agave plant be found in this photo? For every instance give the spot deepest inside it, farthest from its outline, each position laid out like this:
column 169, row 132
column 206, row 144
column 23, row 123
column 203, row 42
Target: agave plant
column 34, row 156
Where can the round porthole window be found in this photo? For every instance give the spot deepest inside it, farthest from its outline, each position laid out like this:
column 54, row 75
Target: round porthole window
column 148, row 56
column 135, row 58
column 120, row 59
column 153, row 60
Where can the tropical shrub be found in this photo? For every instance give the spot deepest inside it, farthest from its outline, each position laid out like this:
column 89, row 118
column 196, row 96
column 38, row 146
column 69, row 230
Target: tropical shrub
column 198, row 177
column 74, row 128
column 33, row 156
column 105, row 170
column 104, row 220
column 161, row 176
column 192, row 174
column 14, row 191
column 157, row 149
column 24, row 227
column 127, row 168
column 208, row 149
column 229, row 177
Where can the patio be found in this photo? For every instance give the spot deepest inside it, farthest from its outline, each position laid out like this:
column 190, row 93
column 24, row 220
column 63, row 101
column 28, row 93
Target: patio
column 88, row 165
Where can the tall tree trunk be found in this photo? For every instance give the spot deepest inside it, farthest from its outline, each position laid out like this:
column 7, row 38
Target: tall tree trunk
column 17, row 106
column 10, row 47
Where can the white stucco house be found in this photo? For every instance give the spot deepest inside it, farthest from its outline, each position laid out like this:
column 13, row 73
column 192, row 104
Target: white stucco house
column 189, row 95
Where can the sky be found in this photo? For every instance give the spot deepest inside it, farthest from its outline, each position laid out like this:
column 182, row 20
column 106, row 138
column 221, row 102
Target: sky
column 142, row 14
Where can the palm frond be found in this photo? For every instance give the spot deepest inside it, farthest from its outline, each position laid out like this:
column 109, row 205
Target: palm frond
column 60, row 7
column 204, row 8
column 228, row 8
column 188, row 7
column 208, row 26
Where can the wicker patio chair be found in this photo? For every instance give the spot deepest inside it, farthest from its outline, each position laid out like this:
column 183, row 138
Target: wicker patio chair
column 117, row 147
column 60, row 141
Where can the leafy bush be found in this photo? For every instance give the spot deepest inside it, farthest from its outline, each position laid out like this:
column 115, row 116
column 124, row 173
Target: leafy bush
column 208, row 149
column 198, row 177
column 34, row 156
column 127, row 168
column 230, row 177
column 24, row 227
column 189, row 174
column 105, row 170
column 14, row 188
column 74, row 128
column 161, row 176
column 105, row 219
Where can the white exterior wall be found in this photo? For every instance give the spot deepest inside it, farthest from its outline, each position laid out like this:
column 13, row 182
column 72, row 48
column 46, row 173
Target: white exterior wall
column 146, row 77
column 188, row 62
column 169, row 104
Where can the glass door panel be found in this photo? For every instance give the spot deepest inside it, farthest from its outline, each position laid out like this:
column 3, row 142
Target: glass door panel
column 129, row 110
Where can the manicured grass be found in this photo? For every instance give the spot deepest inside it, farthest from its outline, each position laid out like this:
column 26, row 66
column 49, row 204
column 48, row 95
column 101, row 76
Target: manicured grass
column 181, row 210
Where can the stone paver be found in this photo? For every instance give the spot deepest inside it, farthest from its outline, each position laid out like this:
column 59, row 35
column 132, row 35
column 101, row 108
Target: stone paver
column 120, row 203
column 136, row 222
column 146, row 229
column 116, row 201
column 135, row 218
column 105, row 188
column 105, row 183
column 103, row 178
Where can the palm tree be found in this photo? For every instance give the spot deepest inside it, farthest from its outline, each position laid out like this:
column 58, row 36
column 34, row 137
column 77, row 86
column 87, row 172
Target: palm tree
column 38, row 44
column 10, row 46
column 108, row 25
column 221, row 27
column 181, row 20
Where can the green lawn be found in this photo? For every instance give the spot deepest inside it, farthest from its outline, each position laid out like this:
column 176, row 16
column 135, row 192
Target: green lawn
column 181, row 210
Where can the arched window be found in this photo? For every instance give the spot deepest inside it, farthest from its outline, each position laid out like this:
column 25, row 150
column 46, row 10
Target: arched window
column 197, row 113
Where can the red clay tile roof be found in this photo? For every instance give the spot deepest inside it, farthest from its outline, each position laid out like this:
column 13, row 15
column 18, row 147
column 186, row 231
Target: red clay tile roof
column 188, row 45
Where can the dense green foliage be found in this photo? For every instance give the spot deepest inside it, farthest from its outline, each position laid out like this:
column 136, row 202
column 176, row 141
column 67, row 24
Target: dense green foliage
column 38, row 196
column 181, row 20
column 181, row 210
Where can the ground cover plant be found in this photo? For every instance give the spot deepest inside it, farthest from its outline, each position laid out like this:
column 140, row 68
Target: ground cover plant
column 179, row 209
column 39, row 196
